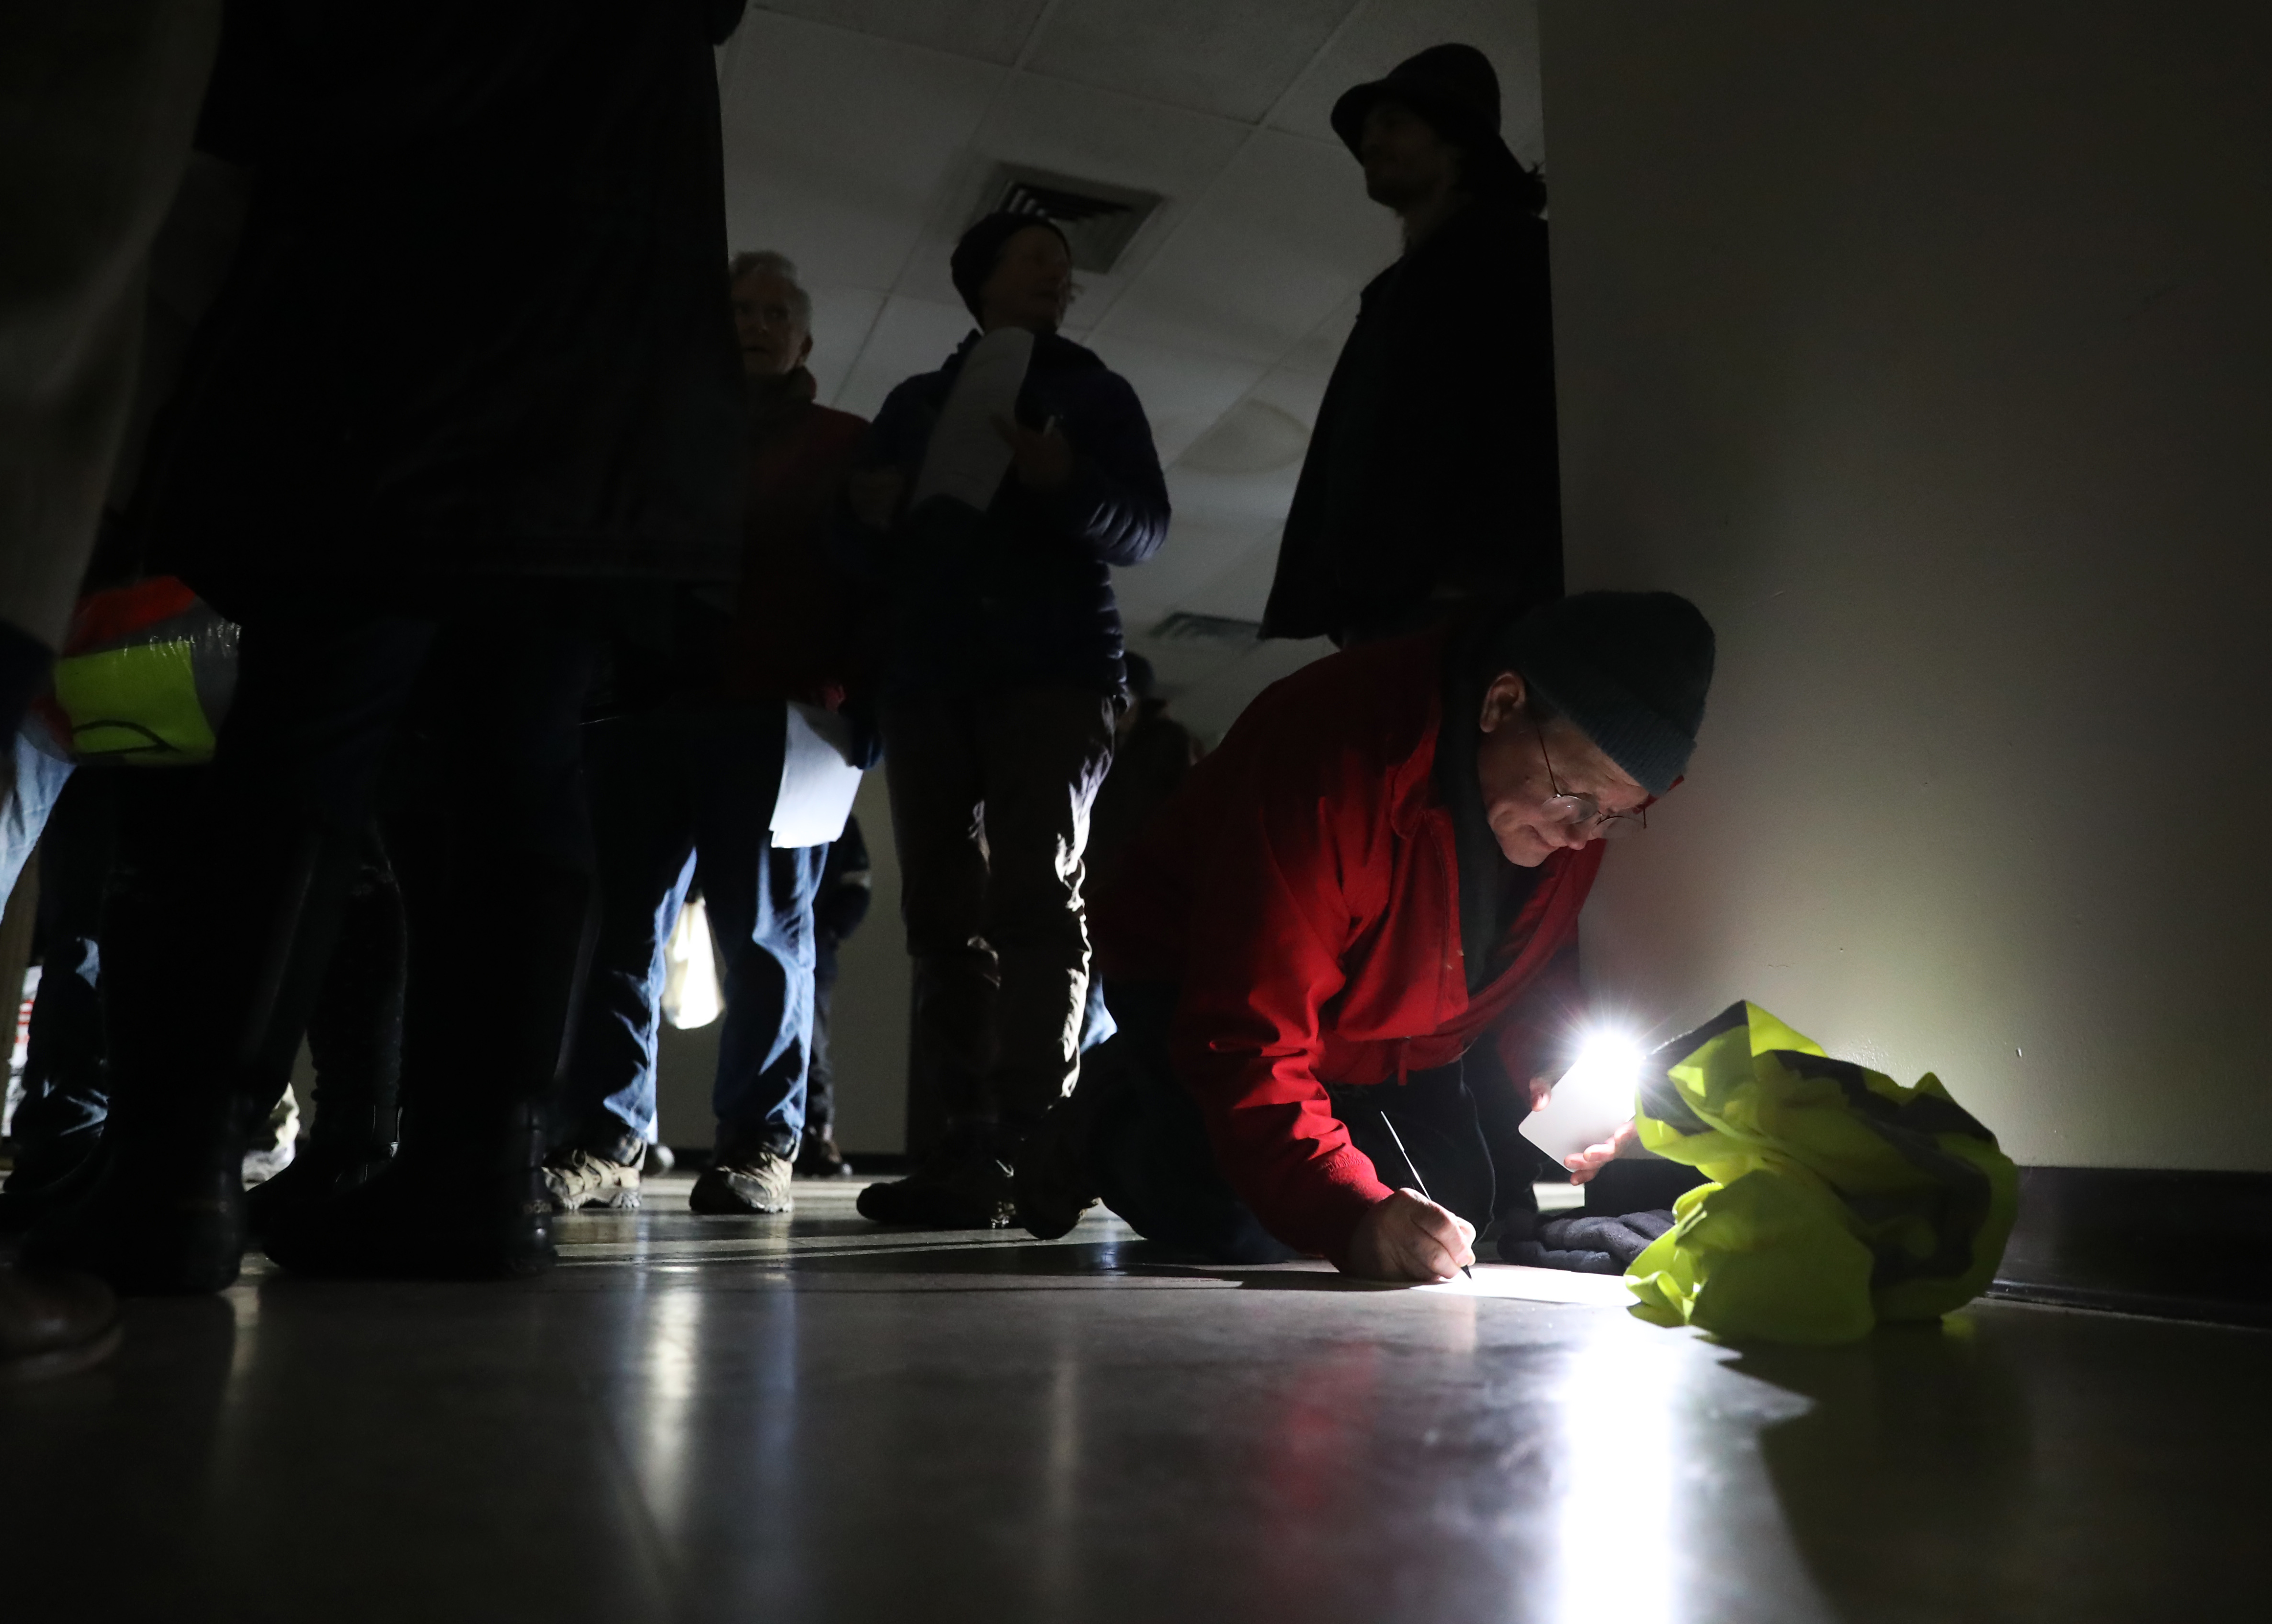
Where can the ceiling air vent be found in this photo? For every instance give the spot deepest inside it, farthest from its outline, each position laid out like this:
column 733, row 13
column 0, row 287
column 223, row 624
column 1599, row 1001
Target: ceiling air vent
column 1099, row 221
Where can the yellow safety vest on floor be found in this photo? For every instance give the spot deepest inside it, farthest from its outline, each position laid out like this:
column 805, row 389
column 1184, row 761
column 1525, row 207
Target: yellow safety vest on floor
column 1838, row 1197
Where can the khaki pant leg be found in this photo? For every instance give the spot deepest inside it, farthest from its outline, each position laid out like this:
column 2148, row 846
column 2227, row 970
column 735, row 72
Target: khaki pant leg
column 1046, row 751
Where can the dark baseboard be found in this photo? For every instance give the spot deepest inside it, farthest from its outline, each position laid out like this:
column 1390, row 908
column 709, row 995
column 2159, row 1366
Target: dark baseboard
column 694, row 1159
column 2172, row 1244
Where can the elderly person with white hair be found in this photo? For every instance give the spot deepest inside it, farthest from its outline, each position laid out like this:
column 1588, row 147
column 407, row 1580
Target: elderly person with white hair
column 684, row 763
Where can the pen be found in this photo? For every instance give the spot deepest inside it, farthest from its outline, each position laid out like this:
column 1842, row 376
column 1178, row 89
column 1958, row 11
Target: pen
column 1418, row 1183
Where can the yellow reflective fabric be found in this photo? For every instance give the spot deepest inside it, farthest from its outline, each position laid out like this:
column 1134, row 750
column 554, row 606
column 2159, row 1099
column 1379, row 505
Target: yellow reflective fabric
column 1839, row 1198
column 137, row 704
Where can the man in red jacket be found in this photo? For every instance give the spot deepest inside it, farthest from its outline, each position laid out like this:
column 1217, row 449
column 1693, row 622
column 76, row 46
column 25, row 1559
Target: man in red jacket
column 1382, row 867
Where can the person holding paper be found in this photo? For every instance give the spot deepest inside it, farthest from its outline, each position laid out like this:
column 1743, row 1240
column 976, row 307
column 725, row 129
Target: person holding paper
column 997, row 494
column 684, row 771
column 1382, row 867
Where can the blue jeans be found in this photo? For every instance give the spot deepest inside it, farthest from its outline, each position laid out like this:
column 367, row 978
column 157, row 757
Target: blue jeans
column 682, row 799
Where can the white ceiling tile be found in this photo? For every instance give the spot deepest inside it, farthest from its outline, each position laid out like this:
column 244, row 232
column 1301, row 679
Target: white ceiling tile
column 1198, row 551
column 1234, row 60
column 1210, row 705
column 841, row 320
column 1321, row 347
column 1388, row 31
column 989, row 30
column 911, row 336
column 836, row 144
column 1183, row 394
column 1087, row 134
column 1276, row 248
column 1297, row 393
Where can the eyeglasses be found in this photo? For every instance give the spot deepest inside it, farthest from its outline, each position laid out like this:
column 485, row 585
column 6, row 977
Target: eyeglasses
column 1562, row 807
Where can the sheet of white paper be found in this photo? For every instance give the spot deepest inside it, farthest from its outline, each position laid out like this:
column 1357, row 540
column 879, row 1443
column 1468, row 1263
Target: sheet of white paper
column 1592, row 1101
column 968, row 456
column 1607, row 1290
column 818, row 779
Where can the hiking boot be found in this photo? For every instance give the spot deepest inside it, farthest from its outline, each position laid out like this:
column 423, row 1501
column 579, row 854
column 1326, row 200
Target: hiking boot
column 576, row 1178
column 969, row 1187
column 742, row 1182
column 817, row 1158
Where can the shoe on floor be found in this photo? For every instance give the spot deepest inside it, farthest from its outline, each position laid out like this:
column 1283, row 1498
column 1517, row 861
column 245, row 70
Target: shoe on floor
column 1052, row 1185
column 743, row 1181
column 817, row 1158
column 54, row 1324
column 576, row 1178
column 972, row 1188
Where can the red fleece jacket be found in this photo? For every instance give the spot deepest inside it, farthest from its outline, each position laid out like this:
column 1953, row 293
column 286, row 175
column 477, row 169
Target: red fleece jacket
column 1303, row 891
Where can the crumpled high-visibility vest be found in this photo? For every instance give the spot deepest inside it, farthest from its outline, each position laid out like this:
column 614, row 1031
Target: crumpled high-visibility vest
column 1838, row 1197
column 145, row 677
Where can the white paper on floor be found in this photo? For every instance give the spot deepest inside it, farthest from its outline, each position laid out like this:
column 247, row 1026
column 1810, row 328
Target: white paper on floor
column 1537, row 1285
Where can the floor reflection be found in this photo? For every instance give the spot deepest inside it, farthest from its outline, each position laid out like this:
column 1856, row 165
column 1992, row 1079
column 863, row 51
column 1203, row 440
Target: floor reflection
column 811, row 1418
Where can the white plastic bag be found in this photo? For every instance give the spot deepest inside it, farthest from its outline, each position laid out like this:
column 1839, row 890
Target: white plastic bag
column 691, row 996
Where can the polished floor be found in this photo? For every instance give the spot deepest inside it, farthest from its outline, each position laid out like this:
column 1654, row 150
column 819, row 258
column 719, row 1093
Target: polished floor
column 808, row 1419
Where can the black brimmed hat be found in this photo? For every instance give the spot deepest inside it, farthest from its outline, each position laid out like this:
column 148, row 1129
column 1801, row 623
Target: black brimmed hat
column 1453, row 88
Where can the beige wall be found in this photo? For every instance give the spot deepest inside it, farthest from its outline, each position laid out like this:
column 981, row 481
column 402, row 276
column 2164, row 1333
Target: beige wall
column 1926, row 346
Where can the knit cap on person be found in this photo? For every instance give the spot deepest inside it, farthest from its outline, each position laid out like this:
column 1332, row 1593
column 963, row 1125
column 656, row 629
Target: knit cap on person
column 1630, row 670
column 974, row 257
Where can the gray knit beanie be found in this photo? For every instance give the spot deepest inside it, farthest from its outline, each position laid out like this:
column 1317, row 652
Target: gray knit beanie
column 1629, row 669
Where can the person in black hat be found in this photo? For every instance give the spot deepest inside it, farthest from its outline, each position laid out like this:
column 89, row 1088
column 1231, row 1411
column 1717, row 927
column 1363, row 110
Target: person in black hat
column 1341, row 960
column 1431, row 476
column 999, row 688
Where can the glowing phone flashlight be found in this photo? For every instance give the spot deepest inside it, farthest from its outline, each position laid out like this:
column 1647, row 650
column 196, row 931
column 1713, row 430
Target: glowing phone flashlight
column 1593, row 1099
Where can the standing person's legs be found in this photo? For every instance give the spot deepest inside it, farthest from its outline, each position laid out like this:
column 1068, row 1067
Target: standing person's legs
column 498, row 933
column 638, row 783
column 759, row 898
column 355, row 1046
column 218, row 925
column 932, row 770
column 1046, row 751
column 817, row 1156
column 66, row 1092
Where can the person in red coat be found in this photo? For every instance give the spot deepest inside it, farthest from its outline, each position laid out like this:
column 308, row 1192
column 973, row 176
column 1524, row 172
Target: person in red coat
column 1380, row 868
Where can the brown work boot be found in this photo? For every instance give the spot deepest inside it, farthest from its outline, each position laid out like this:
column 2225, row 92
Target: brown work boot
column 54, row 1324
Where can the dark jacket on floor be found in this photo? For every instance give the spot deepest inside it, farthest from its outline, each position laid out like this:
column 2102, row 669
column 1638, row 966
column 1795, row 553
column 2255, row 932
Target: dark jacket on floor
column 479, row 322
column 1304, row 892
column 1022, row 596
column 1433, row 469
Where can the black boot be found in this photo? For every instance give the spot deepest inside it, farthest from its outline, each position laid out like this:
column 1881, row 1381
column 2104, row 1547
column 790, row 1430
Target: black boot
column 1056, row 1178
column 355, row 1038
column 966, row 1183
column 495, row 978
